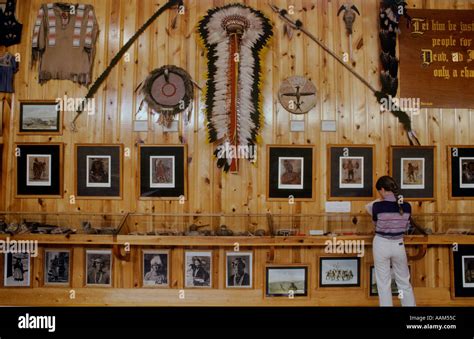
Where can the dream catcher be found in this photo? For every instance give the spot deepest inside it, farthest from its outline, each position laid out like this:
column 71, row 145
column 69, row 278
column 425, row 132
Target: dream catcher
column 168, row 91
column 234, row 37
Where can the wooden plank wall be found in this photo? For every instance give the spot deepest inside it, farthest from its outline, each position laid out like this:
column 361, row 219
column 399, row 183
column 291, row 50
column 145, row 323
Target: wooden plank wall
column 341, row 97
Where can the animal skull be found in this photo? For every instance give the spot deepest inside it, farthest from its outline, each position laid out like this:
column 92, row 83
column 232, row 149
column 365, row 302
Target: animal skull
column 349, row 16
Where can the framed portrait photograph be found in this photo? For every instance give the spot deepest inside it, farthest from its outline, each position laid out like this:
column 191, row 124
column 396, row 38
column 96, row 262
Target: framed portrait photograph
column 290, row 172
column 163, row 171
column 155, row 266
column 17, row 269
column 239, row 269
column 40, row 117
column 461, row 172
column 413, row 168
column 373, row 292
column 285, row 281
column 350, row 172
column 39, row 170
column 339, row 272
column 198, row 269
column 462, row 268
column 99, row 268
column 98, row 171
column 57, row 267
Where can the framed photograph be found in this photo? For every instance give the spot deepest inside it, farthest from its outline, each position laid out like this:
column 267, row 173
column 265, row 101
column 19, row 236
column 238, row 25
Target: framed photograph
column 198, row 269
column 99, row 268
column 57, row 267
column 373, row 292
column 163, row 171
column 413, row 168
column 155, row 266
column 339, row 272
column 284, row 281
column 39, row 170
column 98, row 171
column 462, row 268
column 351, row 171
column 17, row 270
column 239, row 269
column 290, row 172
column 40, row 117
column 461, row 172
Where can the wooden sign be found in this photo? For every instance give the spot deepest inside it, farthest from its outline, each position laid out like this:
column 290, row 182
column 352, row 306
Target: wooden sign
column 437, row 58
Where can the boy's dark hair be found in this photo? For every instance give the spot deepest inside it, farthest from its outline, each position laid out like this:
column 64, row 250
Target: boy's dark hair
column 389, row 184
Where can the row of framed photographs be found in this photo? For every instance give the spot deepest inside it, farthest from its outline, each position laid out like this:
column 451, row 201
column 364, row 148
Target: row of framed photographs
column 279, row 280
column 291, row 171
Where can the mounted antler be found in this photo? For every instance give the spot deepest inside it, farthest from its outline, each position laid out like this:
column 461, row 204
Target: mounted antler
column 349, row 16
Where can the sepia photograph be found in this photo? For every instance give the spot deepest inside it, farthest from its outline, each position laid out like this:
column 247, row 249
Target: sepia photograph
column 413, row 173
column 198, row 269
column 38, row 170
column 466, row 175
column 17, row 270
column 162, row 170
column 351, row 172
column 57, row 267
column 98, row 171
column 468, row 271
column 287, row 281
column 155, row 268
column 239, row 269
column 290, row 172
column 339, row 272
column 39, row 117
column 99, row 268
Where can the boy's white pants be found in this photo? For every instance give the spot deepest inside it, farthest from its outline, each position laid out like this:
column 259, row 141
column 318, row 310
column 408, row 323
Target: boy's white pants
column 391, row 253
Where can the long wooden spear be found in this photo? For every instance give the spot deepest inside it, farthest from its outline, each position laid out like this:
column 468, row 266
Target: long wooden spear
column 98, row 82
column 381, row 97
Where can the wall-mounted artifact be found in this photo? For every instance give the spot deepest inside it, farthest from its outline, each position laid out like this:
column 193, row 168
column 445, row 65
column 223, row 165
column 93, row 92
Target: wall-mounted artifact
column 168, row 91
column 99, row 268
column 57, row 267
column 234, row 37
column 64, row 38
column 290, row 172
column 297, row 95
column 462, row 271
column 413, row 168
column 156, row 268
column 349, row 17
column 286, row 281
column 87, row 228
column 10, row 34
column 39, row 170
column 339, row 272
column 8, row 68
column 163, row 171
column 461, row 172
column 17, row 269
column 98, row 171
column 198, row 269
column 239, row 269
column 350, row 172
column 40, row 117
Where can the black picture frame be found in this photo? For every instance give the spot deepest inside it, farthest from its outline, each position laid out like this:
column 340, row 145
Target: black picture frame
column 268, row 293
column 48, row 183
column 276, row 155
column 342, row 284
column 424, row 185
column 110, row 156
column 174, row 160
column 363, row 188
column 28, row 120
column 462, row 256
column 458, row 187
